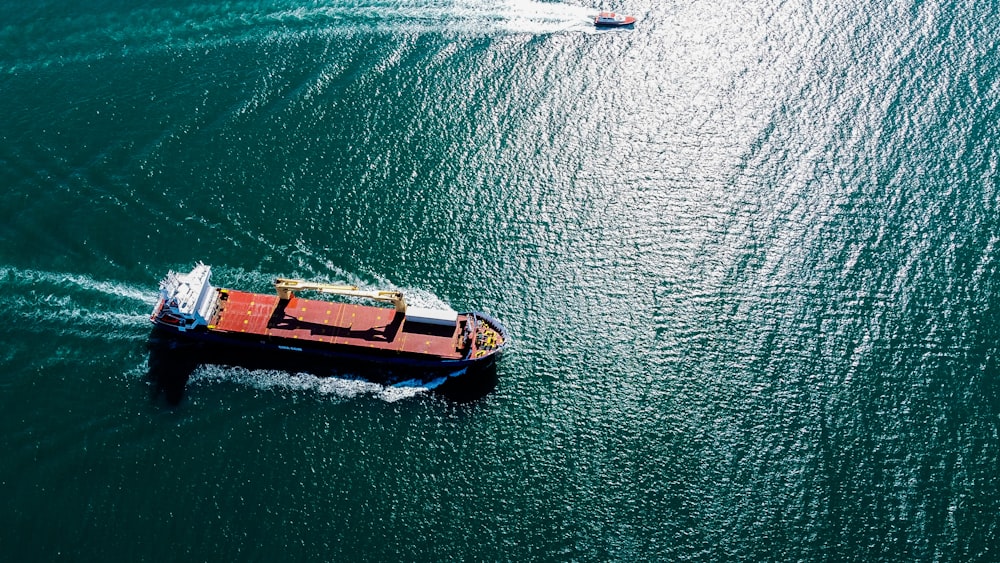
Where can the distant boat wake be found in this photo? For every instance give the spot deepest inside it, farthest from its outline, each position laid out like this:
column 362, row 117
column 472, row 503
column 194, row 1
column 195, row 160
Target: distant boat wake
column 199, row 26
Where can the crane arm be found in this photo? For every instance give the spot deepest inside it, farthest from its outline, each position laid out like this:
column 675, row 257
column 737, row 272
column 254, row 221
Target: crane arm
column 286, row 290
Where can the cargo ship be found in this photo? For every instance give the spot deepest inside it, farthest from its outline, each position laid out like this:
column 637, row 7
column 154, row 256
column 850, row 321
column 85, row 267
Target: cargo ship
column 360, row 328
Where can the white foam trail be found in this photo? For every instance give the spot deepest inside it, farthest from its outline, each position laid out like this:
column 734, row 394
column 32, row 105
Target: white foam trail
column 527, row 16
column 73, row 303
column 475, row 16
column 107, row 318
column 201, row 26
column 143, row 295
column 393, row 394
column 74, row 320
column 423, row 298
column 28, row 278
column 275, row 380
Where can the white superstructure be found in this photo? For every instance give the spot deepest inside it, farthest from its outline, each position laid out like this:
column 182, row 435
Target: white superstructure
column 186, row 300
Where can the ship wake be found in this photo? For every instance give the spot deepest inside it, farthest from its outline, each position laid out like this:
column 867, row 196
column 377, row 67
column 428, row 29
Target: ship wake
column 73, row 304
column 332, row 387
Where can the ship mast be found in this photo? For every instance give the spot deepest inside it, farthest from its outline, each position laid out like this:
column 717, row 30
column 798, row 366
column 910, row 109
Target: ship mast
column 286, row 290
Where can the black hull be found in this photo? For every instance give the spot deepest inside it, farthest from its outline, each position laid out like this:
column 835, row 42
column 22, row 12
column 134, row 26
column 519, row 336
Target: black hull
column 175, row 355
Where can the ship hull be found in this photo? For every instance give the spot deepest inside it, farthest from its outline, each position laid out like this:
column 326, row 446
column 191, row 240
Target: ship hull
column 174, row 357
column 336, row 357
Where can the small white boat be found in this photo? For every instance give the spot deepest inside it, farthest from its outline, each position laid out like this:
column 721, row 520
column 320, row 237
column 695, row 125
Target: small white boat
column 611, row 19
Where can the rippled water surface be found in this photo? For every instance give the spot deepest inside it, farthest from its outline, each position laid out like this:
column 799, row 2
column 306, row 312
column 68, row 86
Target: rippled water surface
column 747, row 252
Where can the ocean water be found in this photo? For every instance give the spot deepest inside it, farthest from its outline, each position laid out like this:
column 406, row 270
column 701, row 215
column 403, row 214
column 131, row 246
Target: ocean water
column 747, row 253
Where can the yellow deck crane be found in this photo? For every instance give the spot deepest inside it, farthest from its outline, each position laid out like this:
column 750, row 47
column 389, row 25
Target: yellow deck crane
column 286, row 290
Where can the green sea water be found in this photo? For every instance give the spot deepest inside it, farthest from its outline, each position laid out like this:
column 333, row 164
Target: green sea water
column 747, row 253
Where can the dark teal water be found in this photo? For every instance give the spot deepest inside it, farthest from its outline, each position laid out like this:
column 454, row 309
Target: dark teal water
column 748, row 253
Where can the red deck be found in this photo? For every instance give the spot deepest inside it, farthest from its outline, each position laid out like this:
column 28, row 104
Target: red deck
column 329, row 322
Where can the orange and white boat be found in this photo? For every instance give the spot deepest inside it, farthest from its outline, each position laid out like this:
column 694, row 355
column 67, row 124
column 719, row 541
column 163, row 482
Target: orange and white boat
column 611, row 19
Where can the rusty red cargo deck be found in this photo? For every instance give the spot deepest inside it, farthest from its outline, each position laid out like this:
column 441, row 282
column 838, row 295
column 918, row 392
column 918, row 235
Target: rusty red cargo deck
column 331, row 323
